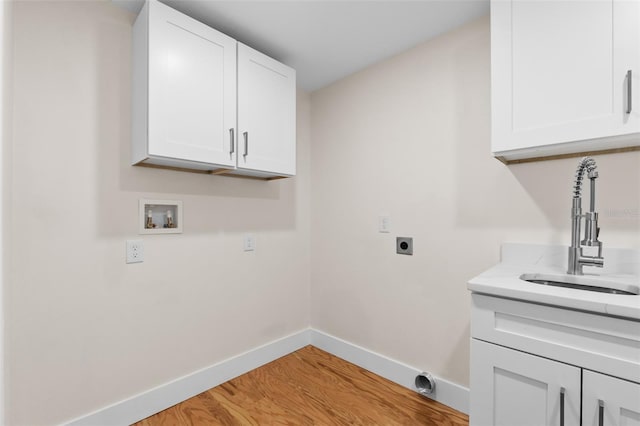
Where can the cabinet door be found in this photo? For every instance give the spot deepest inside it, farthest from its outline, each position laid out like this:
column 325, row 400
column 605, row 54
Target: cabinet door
column 510, row 388
column 617, row 400
column 559, row 71
column 266, row 113
column 192, row 82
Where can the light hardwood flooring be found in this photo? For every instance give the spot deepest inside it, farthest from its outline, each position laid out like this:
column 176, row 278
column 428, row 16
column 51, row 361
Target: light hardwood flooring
column 308, row 387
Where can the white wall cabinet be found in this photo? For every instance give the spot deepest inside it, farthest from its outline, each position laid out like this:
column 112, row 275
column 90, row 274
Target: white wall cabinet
column 565, row 77
column 266, row 113
column 534, row 365
column 190, row 82
column 184, row 86
column 514, row 388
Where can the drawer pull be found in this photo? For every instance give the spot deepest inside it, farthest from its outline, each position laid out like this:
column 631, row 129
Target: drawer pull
column 562, row 391
column 233, row 142
column 600, row 412
column 629, row 92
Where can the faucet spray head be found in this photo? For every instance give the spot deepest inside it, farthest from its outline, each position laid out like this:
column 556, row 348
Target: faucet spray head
column 588, row 164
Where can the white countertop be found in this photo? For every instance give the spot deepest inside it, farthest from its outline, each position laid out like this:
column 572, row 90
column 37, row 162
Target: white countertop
column 503, row 280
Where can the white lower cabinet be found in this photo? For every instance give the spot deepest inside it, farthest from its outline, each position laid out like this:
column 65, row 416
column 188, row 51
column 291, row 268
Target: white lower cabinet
column 512, row 388
column 535, row 365
column 609, row 401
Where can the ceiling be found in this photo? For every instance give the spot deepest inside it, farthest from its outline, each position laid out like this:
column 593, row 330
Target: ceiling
column 328, row 40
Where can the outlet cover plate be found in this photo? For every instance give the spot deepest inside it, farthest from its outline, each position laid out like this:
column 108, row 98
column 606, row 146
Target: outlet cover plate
column 404, row 245
column 135, row 251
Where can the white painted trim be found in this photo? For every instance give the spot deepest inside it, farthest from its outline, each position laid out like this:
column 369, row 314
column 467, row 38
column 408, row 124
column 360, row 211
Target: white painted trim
column 6, row 118
column 447, row 393
column 164, row 396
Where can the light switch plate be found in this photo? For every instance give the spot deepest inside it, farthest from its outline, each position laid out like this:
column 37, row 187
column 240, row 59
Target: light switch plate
column 249, row 242
column 384, row 224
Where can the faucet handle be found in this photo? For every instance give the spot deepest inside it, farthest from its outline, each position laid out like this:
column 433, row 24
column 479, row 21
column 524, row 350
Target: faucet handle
column 598, row 261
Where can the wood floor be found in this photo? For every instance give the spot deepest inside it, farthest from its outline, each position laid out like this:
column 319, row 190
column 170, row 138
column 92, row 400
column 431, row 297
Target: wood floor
column 308, row 387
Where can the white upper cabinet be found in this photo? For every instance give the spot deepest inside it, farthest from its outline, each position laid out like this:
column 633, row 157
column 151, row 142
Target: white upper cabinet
column 266, row 114
column 565, row 76
column 202, row 101
column 184, row 91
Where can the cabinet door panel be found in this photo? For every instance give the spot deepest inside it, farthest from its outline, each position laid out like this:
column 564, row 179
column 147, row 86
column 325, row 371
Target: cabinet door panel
column 545, row 64
column 621, row 401
column 266, row 113
column 509, row 388
column 627, row 30
column 191, row 89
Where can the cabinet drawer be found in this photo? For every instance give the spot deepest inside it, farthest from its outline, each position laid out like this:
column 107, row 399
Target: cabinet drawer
column 601, row 343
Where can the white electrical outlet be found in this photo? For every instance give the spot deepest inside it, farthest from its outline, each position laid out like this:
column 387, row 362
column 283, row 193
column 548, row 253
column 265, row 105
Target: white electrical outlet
column 384, row 224
column 249, row 242
column 135, row 251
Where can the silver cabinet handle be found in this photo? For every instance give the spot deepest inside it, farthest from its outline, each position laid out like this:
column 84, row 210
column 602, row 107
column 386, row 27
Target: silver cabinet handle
column 246, row 143
column 562, row 391
column 233, row 142
column 600, row 412
column 629, row 92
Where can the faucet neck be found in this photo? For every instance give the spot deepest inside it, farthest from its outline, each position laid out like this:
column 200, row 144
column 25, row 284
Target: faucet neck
column 576, row 215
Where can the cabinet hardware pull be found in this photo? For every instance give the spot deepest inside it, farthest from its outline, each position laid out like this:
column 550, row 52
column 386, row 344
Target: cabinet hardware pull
column 246, row 143
column 233, row 142
column 600, row 412
column 562, row 390
column 629, row 92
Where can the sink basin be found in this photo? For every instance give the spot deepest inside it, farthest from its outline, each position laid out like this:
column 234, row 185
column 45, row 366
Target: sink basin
column 581, row 282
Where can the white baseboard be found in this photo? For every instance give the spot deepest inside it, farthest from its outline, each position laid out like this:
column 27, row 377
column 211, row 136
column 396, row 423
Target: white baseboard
column 162, row 397
column 447, row 393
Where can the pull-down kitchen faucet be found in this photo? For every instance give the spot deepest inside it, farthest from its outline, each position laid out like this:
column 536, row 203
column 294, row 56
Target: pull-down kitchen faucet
column 591, row 230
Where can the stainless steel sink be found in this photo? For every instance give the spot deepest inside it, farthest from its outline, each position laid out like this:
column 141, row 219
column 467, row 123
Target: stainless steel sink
column 581, row 282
